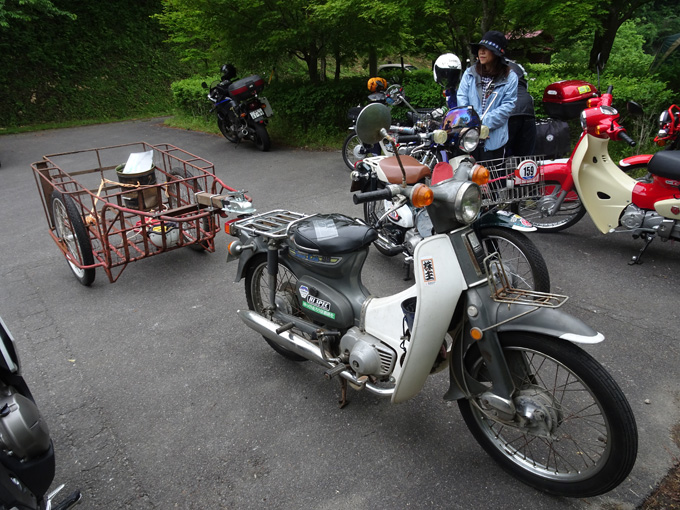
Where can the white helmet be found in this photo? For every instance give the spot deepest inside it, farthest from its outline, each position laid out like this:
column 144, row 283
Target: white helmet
column 447, row 70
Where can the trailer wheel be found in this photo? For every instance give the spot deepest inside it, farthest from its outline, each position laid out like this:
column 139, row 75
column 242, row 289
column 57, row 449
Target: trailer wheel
column 71, row 231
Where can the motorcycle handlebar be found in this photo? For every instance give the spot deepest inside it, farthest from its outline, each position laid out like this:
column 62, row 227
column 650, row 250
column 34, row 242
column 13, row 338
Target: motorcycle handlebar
column 408, row 138
column 372, row 196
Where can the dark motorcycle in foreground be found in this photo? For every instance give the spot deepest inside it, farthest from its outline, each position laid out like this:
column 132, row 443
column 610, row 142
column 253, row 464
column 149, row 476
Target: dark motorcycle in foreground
column 542, row 407
column 241, row 112
column 26, row 450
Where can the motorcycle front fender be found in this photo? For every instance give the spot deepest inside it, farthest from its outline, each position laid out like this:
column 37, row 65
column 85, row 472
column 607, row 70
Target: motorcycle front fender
column 504, row 219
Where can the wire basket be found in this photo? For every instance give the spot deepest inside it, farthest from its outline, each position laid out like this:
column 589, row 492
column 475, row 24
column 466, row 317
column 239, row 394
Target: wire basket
column 513, row 179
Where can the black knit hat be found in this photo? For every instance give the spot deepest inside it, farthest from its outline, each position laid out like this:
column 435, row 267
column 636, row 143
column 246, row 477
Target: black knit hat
column 494, row 41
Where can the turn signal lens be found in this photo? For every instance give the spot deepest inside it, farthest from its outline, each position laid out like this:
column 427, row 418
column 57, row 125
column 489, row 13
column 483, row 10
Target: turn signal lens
column 421, row 196
column 593, row 101
column 480, row 175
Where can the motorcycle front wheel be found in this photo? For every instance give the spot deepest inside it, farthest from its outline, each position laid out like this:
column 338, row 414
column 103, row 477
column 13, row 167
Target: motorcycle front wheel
column 257, row 296
column 226, row 128
column 353, row 150
column 524, row 265
column 261, row 138
column 574, row 434
column 569, row 213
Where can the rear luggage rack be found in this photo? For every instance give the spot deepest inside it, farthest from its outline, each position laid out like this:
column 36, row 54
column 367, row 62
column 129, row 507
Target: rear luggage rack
column 273, row 224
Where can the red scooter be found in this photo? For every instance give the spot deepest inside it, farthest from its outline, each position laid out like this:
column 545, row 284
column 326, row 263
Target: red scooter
column 590, row 182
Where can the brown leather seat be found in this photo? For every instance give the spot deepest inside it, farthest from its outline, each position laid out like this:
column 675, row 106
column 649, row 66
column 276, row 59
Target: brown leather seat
column 415, row 171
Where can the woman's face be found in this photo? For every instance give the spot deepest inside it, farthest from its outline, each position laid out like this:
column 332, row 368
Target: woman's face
column 485, row 56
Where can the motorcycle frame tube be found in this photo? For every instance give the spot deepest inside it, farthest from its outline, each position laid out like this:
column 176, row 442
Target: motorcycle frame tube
column 439, row 283
column 603, row 188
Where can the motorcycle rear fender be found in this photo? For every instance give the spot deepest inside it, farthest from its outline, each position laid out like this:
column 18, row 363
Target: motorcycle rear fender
column 260, row 246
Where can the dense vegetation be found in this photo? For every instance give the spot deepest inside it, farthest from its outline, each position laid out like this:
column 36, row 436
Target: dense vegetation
column 67, row 60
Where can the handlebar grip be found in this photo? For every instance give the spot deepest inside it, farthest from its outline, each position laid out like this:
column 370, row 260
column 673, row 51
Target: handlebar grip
column 372, row 196
column 624, row 136
column 408, row 138
column 609, row 89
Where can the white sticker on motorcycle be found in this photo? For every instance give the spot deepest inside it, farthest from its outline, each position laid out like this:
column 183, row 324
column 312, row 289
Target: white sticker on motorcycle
column 429, row 275
column 325, row 229
column 527, row 173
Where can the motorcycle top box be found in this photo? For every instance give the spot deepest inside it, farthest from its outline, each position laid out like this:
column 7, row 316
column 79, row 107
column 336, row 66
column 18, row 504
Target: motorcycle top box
column 246, row 87
column 566, row 99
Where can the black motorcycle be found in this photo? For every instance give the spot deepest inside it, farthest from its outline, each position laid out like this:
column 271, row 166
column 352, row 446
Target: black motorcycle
column 26, row 450
column 241, row 113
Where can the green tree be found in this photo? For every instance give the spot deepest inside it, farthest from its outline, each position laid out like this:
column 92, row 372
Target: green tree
column 28, row 10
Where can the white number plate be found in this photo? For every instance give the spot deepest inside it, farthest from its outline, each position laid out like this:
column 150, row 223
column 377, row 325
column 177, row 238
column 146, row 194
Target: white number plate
column 256, row 114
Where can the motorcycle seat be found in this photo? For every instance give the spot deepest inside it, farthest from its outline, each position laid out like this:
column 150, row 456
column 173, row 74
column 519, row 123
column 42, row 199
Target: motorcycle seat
column 332, row 234
column 415, row 170
column 665, row 164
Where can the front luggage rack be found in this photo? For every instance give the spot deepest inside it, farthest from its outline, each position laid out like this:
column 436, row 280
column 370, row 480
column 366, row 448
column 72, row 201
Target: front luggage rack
column 503, row 292
column 273, row 224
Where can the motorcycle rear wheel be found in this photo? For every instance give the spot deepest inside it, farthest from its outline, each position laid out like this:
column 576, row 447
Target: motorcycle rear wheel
column 571, row 211
column 261, row 138
column 525, row 266
column 587, row 440
column 225, row 128
column 257, row 296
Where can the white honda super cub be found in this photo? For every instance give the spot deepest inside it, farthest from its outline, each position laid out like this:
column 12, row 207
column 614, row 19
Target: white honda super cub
column 538, row 404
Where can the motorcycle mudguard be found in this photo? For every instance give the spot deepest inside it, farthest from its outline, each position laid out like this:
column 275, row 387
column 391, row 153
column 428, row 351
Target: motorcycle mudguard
column 246, row 255
column 546, row 321
column 439, row 285
column 637, row 161
column 505, row 219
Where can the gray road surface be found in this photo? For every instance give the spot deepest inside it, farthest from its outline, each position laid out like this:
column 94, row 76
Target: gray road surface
column 158, row 396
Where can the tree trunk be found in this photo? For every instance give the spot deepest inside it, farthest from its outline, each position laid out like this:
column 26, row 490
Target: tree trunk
column 372, row 62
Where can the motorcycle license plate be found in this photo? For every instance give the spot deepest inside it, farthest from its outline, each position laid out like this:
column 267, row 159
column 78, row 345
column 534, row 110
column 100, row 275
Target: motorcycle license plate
column 256, row 114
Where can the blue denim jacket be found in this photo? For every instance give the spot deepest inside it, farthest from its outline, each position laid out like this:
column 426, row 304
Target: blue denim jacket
column 505, row 92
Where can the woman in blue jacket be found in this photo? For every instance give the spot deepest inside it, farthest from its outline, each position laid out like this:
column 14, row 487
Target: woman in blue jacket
column 491, row 89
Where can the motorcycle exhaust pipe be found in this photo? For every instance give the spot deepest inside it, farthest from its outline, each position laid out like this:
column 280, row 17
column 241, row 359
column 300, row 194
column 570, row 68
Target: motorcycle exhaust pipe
column 303, row 347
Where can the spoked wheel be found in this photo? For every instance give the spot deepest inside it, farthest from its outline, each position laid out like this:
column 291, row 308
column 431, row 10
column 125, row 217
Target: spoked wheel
column 261, row 138
column 523, row 263
column 70, row 229
column 353, row 150
column 574, row 433
column 257, row 296
column 225, row 126
column 373, row 211
column 534, row 210
column 184, row 194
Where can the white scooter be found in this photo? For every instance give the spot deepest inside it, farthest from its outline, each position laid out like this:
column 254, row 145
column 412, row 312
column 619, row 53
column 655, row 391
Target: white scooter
column 539, row 405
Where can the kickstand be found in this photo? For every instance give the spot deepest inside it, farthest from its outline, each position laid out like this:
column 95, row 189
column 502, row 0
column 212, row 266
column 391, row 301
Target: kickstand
column 343, row 393
column 637, row 258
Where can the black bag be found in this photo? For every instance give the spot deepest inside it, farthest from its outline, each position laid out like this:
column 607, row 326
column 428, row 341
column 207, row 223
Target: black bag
column 552, row 138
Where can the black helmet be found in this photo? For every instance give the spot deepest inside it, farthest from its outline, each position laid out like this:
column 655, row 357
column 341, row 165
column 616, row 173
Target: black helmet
column 228, row 72
column 447, row 70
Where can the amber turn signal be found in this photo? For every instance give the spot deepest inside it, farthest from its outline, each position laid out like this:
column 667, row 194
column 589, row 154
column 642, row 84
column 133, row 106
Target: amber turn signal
column 480, row 175
column 421, row 196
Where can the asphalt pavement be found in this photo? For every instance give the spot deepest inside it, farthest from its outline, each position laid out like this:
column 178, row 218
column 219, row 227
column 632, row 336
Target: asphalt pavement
column 158, row 396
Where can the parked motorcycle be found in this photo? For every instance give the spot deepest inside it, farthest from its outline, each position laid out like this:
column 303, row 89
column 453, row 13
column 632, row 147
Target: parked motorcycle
column 667, row 137
column 542, row 407
column 354, row 149
column 241, row 112
column 401, row 226
column 26, row 450
column 590, row 182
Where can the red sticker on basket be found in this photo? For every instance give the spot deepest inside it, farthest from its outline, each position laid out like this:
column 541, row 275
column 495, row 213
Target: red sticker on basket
column 526, row 173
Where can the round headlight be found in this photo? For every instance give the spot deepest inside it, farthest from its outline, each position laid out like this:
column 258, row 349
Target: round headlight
column 468, row 202
column 469, row 140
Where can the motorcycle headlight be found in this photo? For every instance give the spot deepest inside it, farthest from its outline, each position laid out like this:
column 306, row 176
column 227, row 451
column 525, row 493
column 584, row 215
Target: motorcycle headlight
column 468, row 202
column 469, row 139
